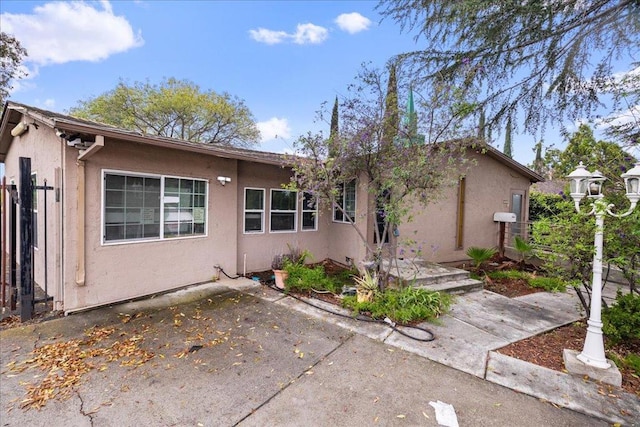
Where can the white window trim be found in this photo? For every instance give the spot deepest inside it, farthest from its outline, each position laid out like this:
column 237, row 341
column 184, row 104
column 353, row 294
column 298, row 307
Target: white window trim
column 151, row 239
column 245, row 210
column 355, row 205
column 295, row 212
column 303, row 211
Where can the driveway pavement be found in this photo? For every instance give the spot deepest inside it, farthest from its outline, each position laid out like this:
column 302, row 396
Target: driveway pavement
column 232, row 353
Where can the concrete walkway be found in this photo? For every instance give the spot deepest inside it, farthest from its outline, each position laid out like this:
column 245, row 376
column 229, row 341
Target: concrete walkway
column 280, row 361
column 480, row 323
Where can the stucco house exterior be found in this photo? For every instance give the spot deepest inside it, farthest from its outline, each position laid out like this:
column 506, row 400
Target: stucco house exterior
column 132, row 215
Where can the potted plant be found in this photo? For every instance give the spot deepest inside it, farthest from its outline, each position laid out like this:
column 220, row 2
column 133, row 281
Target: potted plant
column 366, row 286
column 280, row 274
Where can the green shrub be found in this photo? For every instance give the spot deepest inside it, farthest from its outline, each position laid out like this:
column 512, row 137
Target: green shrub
column 303, row 278
column 522, row 247
column 633, row 362
column 621, row 321
column 403, row 306
column 549, row 284
column 480, row 255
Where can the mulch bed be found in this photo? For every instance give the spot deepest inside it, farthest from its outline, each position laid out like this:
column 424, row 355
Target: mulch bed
column 546, row 350
column 511, row 288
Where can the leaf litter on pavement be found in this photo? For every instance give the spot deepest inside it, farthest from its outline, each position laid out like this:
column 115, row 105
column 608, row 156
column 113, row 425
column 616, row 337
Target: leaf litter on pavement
column 65, row 363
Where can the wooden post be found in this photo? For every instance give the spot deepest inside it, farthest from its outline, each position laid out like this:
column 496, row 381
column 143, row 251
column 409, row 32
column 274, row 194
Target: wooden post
column 501, row 241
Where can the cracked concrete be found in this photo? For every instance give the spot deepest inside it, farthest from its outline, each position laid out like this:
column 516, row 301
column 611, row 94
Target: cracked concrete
column 272, row 366
column 82, row 411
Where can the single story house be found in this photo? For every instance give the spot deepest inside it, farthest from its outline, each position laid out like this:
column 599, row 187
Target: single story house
column 132, row 215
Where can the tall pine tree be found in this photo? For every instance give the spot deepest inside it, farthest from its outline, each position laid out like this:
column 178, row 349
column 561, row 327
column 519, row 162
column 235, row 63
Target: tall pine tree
column 538, row 163
column 482, row 133
column 391, row 114
column 507, row 139
column 334, row 131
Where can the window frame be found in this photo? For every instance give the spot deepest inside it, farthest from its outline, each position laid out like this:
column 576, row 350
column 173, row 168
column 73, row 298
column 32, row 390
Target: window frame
column 283, row 211
column 314, row 213
column 342, row 187
column 261, row 211
column 161, row 235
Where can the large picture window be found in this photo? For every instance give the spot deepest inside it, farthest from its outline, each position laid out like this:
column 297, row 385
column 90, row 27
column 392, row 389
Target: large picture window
column 184, row 207
column 253, row 210
column 347, row 200
column 142, row 207
column 309, row 212
column 283, row 210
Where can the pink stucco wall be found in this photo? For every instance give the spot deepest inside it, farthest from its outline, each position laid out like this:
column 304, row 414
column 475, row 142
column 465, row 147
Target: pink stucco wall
column 489, row 186
column 126, row 270
column 256, row 250
column 130, row 269
column 345, row 245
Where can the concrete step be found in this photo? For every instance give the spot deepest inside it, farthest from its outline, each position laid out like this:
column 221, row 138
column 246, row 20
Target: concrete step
column 423, row 273
column 454, row 286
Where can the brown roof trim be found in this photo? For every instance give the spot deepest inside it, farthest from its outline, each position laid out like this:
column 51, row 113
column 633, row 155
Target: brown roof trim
column 508, row 161
column 72, row 124
column 69, row 123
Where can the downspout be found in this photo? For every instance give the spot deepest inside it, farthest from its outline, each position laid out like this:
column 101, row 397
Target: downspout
column 80, row 258
column 81, row 204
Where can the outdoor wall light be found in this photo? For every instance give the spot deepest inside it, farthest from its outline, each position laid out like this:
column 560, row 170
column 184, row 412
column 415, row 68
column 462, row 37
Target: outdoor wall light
column 223, row 180
column 584, row 183
column 20, row 128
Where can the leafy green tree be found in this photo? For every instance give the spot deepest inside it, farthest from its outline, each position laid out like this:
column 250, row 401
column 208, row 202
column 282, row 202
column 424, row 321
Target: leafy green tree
column 395, row 176
column 11, row 56
column 569, row 235
column 175, row 109
column 548, row 59
column 605, row 156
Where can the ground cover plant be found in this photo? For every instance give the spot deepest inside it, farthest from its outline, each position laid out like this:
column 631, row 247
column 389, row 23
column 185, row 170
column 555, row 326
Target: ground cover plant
column 327, row 280
column 406, row 305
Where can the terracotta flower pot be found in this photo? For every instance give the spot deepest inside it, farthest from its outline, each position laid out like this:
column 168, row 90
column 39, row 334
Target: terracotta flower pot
column 281, row 276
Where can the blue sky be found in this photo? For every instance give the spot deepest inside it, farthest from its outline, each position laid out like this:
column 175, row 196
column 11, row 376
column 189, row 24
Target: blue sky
column 283, row 58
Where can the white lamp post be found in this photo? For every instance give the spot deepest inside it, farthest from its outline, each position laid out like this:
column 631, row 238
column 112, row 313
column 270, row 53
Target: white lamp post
column 590, row 184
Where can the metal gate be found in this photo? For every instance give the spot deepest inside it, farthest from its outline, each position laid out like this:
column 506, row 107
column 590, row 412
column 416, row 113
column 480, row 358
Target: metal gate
column 22, row 196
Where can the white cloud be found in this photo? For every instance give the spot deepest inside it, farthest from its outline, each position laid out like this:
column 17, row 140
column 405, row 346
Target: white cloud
column 352, row 22
column 23, row 83
column 274, row 128
column 48, row 103
column 630, row 115
column 305, row 34
column 263, row 35
column 60, row 32
column 310, row 33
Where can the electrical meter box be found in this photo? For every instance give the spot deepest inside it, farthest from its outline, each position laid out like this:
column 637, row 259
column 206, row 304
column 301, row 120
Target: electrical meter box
column 504, row 217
